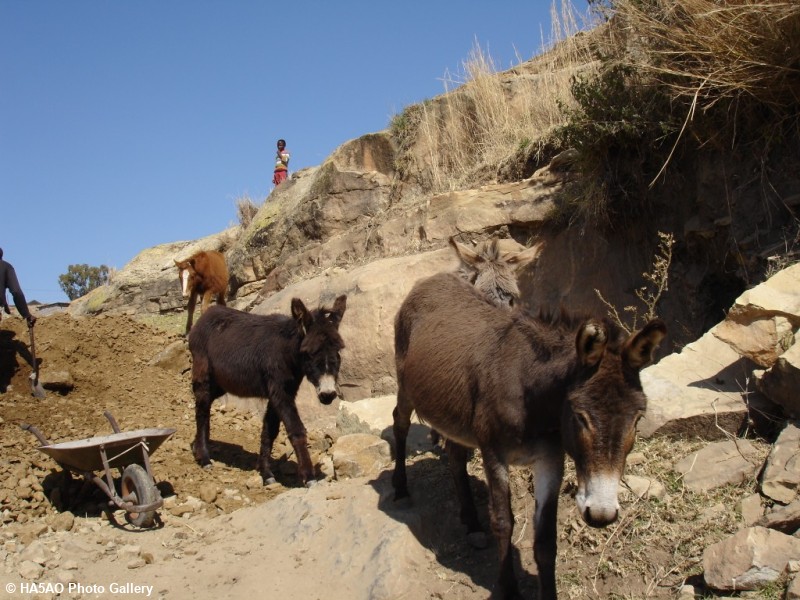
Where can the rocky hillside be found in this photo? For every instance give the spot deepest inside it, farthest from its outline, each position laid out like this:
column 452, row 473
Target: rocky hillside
column 721, row 450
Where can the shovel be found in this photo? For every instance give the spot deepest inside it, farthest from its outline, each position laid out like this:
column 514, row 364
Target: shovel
column 36, row 387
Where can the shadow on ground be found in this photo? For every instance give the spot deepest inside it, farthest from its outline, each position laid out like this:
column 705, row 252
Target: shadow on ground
column 432, row 515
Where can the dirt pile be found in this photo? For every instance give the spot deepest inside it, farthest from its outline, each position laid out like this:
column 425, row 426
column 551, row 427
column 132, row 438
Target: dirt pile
column 110, row 362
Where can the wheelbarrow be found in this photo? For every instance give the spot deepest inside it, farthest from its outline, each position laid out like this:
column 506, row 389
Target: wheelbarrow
column 127, row 451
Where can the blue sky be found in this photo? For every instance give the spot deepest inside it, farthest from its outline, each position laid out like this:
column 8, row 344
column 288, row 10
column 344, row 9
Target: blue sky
column 124, row 125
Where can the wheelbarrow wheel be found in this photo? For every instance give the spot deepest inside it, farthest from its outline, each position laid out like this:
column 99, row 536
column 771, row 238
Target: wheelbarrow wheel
column 139, row 486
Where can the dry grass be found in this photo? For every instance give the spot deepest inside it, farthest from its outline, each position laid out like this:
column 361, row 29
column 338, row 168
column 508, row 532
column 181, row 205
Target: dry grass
column 676, row 76
column 246, row 211
column 485, row 117
column 731, row 67
column 707, row 50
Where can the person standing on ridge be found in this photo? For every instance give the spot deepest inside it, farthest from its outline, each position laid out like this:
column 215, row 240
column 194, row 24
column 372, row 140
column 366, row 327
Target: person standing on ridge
column 8, row 281
column 281, row 163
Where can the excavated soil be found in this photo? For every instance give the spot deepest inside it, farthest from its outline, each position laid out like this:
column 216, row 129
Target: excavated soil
column 140, row 375
column 112, row 363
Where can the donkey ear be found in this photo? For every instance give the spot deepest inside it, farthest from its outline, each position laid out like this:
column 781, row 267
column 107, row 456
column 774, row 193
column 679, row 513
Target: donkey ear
column 301, row 315
column 521, row 259
column 337, row 312
column 465, row 255
column 591, row 343
column 640, row 347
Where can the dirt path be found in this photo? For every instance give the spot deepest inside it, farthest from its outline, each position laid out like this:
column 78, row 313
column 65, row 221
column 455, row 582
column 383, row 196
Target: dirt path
column 224, row 535
column 221, row 536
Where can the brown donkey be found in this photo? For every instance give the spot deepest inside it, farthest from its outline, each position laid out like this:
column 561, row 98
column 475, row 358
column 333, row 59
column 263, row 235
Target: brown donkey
column 492, row 271
column 494, row 274
column 266, row 356
column 523, row 390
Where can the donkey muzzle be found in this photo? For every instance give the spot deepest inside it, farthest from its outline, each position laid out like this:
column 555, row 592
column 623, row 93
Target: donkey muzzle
column 326, row 389
column 597, row 500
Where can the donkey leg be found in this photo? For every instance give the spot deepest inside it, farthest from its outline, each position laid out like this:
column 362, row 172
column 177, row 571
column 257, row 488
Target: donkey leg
column 207, row 296
column 502, row 522
column 401, row 417
column 269, row 432
column 190, row 311
column 548, row 475
column 202, row 416
column 287, row 412
column 221, row 298
column 457, row 459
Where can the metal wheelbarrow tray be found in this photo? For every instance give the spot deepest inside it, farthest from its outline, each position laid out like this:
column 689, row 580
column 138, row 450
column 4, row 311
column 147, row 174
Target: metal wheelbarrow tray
column 128, row 451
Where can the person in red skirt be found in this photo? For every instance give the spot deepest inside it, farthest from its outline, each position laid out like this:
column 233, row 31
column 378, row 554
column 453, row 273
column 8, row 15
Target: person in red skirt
column 281, row 163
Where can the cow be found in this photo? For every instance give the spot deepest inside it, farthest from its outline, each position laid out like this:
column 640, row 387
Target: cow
column 205, row 274
column 265, row 356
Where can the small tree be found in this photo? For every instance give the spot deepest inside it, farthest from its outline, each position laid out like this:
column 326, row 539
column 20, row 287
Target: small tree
column 79, row 280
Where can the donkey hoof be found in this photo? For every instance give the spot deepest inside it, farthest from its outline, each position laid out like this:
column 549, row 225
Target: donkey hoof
column 478, row 539
column 311, row 483
column 269, row 481
column 208, row 466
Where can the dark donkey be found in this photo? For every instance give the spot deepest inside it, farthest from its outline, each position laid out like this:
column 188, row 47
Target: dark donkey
column 265, row 356
column 523, row 390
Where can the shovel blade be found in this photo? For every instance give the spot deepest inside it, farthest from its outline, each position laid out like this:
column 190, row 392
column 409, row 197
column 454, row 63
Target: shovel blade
column 36, row 388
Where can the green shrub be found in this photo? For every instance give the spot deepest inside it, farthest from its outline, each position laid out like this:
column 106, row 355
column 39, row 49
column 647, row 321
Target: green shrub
column 623, row 128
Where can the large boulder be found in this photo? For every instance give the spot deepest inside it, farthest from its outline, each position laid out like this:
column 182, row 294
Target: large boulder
column 781, row 381
column 316, row 207
column 148, row 284
column 750, row 559
column 374, row 294
column 708, row 389
column 697, row 392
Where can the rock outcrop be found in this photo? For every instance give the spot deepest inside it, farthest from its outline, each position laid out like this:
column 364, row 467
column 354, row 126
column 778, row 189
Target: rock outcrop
column 148, row 284
column 710, row 389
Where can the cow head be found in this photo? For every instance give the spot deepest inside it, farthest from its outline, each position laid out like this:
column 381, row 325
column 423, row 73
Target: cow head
column 186, row 275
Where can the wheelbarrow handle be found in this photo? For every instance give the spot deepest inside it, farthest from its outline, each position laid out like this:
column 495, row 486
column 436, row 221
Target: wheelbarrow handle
column 39, row 435
column 112, row 420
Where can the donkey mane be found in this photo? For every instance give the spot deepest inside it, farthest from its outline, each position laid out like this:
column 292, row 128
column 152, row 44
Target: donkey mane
column 568, row 322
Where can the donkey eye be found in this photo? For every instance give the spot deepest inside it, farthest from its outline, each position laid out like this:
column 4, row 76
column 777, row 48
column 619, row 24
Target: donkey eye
column 583, row 420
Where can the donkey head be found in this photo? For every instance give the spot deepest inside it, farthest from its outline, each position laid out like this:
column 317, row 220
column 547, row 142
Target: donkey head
column 186, row 274
column 603, row 407
column 320, row 345
column 492, row 271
